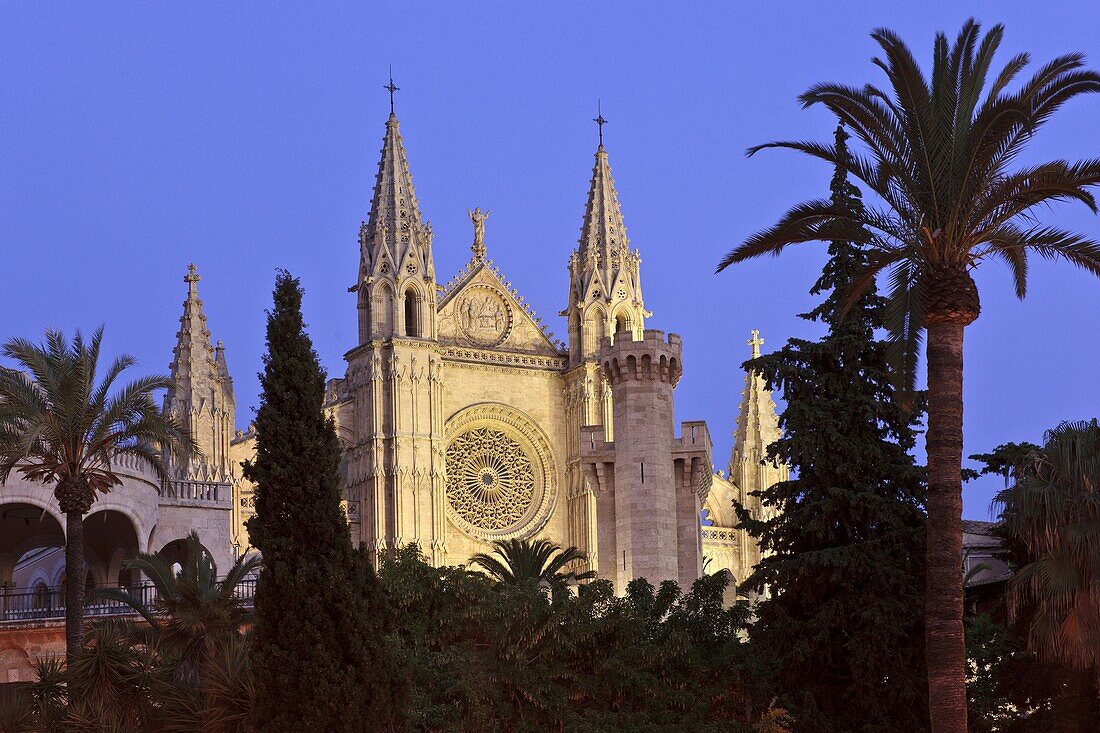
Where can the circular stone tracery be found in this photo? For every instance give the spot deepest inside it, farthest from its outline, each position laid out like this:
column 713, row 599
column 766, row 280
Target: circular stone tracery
column 500, row 473
column 491, row 484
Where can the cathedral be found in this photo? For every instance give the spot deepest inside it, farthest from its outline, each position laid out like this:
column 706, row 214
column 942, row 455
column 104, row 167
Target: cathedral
column 463, row 420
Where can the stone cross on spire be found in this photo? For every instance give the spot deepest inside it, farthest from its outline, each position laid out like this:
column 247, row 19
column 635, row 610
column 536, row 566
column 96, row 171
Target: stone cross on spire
column 755, row 342
column 192, row 279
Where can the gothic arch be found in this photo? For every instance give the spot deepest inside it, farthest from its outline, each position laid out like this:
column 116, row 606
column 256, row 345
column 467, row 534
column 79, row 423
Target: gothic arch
column 623, row 322
column 594, row 328
column 575, row 336
column 719, row 504
column 412, row 309
column 382, row 309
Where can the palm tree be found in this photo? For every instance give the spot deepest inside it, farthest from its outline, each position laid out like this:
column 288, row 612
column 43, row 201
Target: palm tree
column 940, row 155
column 1053, row 510
column 194, row 616
column 527, row 561
column 58, row 425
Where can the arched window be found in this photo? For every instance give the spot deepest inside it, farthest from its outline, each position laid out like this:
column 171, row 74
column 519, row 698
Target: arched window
column 383, row 311
column 412, row 313
column 621, row 324
column 41, row 595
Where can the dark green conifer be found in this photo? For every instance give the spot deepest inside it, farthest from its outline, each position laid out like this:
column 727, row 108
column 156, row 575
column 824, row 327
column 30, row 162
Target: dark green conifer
column 317, row 644
column 844, row 539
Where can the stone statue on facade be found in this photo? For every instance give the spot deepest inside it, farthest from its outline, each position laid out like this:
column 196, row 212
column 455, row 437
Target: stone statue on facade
column 478, row 217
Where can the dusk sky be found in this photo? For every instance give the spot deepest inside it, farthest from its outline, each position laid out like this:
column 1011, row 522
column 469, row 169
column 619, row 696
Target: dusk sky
column 245, row 137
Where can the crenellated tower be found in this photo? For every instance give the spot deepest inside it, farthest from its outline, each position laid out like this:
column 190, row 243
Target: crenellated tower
column 202, row 393
column 395, row 467
column 649, row 485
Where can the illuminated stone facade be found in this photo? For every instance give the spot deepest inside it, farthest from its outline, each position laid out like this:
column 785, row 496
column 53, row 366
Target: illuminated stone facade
column 463, row 419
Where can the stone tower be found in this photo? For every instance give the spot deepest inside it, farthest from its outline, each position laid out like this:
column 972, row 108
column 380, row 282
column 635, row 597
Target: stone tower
column 605, row 296
column 649, row 485
column 395, row 467
column 757, row 428
column 202, row 394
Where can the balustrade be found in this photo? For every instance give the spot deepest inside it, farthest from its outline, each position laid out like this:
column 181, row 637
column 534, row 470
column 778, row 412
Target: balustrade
column 48, row 603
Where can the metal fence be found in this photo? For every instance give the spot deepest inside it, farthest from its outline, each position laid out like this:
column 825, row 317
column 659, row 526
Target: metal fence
column 45, row 603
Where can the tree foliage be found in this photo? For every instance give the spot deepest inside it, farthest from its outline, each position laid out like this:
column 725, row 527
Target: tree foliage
column 63, row 424
column 1053, row 510
column 317, row 648
column 531, row 561
column 502, row 656
column 842, row 541
column 941, row 160
column 184, row 667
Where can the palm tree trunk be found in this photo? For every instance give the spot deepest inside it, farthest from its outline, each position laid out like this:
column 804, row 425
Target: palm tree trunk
column 944, row 646
column 74, row 585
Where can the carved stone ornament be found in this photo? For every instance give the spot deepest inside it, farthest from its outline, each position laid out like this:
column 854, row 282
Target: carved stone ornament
column 500, row 473
column 484, row 316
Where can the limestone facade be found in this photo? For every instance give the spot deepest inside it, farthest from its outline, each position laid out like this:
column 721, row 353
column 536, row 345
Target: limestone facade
column 463, row 419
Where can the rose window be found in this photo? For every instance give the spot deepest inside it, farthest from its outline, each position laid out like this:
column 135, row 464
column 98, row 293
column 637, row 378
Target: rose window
column 491, row 481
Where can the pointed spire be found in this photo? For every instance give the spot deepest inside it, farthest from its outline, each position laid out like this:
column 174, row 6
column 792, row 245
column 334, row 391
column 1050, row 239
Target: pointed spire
column 605, row 286
column 757, row 423
column 202, row 391
column 603, row 233
column 394, row 228
column 193, row 350
column 222, row 366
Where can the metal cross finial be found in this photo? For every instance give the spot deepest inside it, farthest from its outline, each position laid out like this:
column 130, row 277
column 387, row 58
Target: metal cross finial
column 392, row 88
column 192, row 275
column 599, row 120
column 755, row 342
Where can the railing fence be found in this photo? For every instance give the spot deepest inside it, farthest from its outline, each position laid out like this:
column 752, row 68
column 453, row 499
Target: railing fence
column 46, row 603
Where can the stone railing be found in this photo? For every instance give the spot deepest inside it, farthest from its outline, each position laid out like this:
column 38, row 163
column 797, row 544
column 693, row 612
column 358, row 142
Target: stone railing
column 719, row 536
column 48, row 603
column 207, row 492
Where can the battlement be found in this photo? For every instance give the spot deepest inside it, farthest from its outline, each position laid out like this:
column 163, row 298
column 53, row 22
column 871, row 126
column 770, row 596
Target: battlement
column 651, row 358
column 592, row 441
column 649, row 336
column 693, row 436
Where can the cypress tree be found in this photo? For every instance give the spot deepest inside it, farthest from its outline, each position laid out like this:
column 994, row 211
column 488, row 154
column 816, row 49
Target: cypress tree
column 841, row 626
column 317, row 650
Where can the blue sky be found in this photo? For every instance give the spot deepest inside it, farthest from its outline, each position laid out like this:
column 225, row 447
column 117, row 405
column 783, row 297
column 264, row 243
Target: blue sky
column 135, row 139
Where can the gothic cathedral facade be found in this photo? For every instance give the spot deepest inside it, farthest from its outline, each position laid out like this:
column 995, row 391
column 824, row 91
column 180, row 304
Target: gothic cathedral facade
column 465, row 422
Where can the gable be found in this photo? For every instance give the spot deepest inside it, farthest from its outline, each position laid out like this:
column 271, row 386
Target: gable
column 478, row 310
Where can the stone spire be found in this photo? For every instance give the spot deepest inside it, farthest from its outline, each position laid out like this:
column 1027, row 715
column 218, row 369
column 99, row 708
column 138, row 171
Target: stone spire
column 202, row 392
column 395, row 247
column 193, row 356
column 757, row 428
column 605, row 289
column 394, row 234
column 603, row 233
